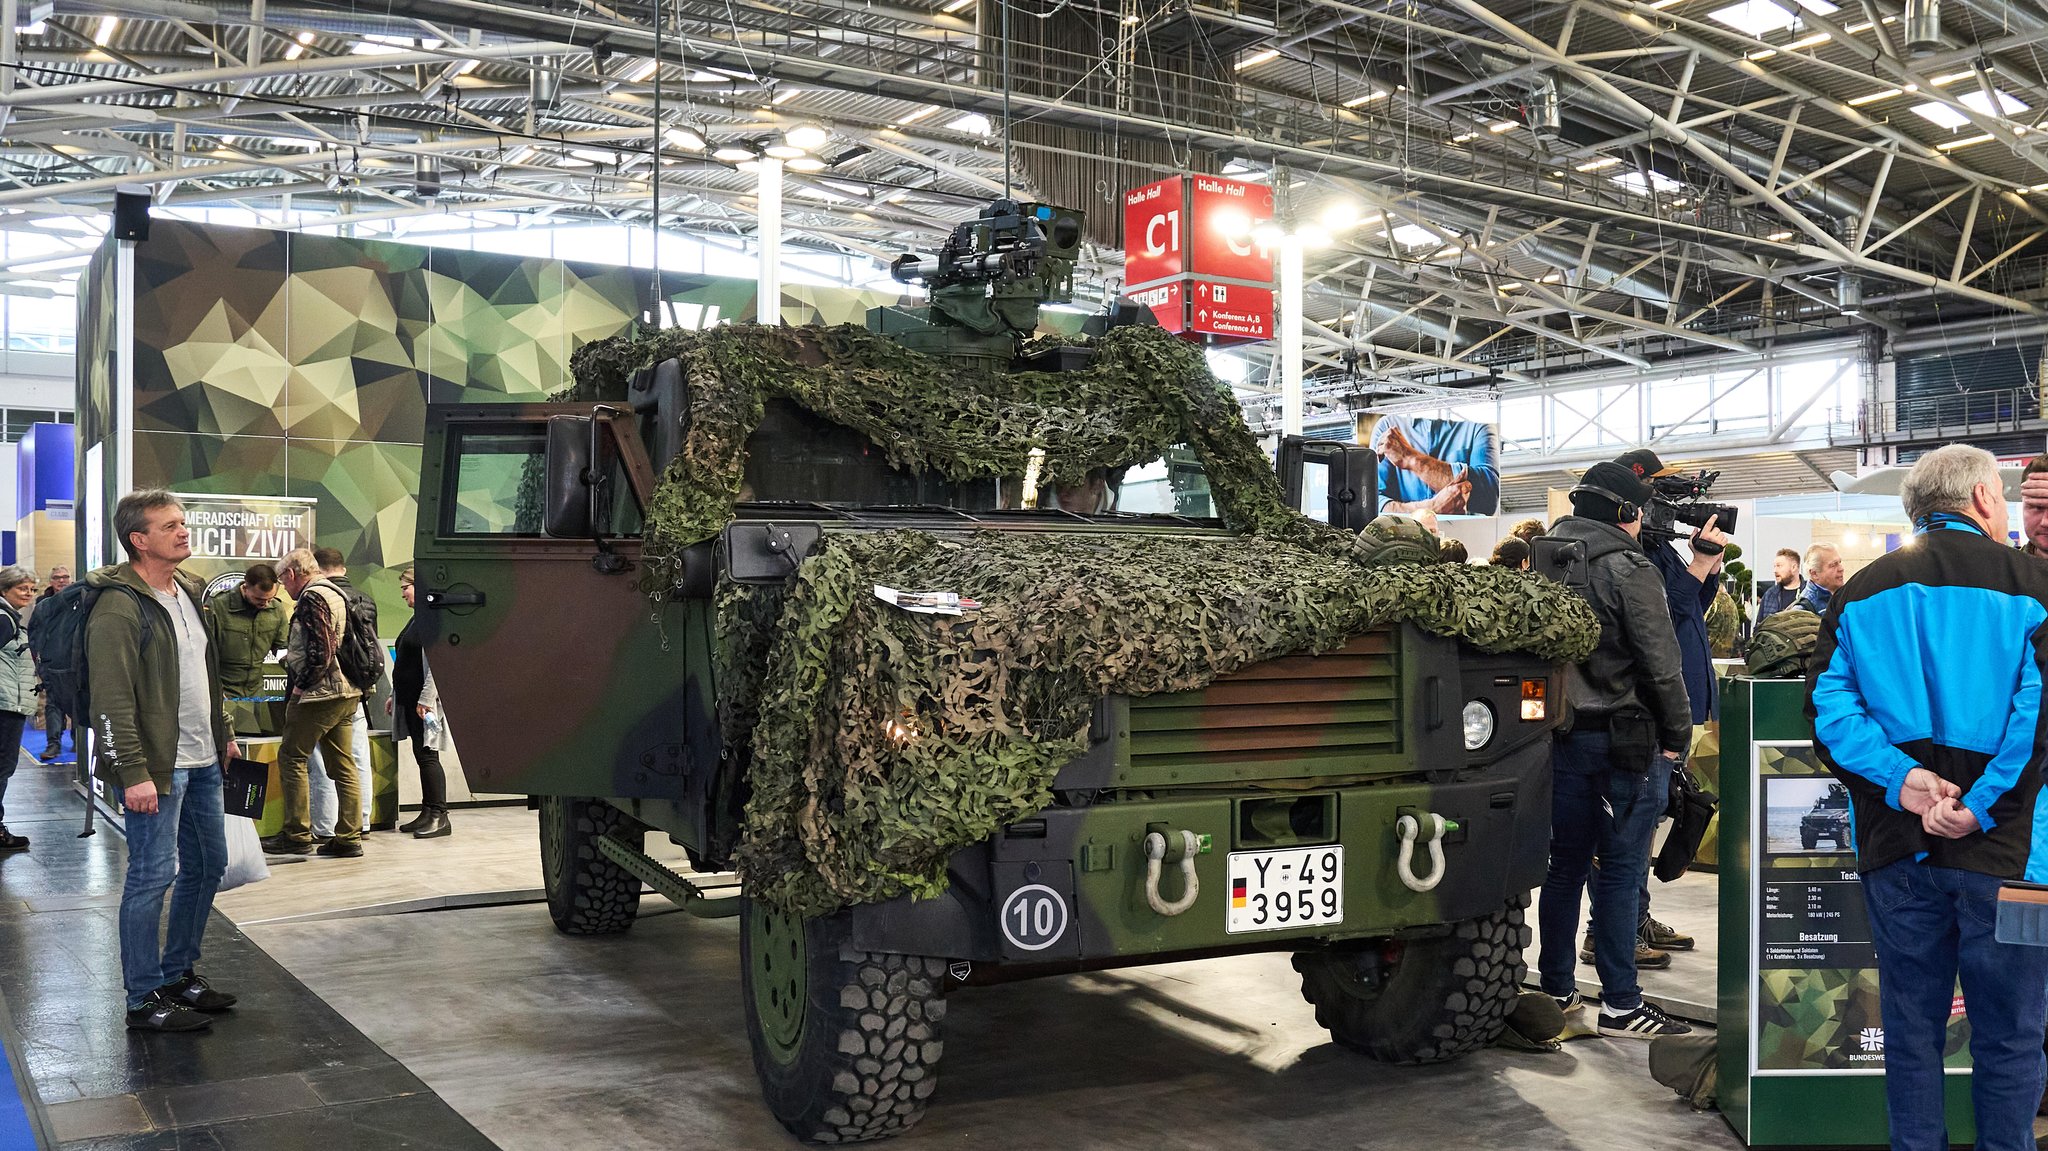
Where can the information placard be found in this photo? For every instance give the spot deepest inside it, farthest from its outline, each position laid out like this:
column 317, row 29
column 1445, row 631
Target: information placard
column 1814, row 1004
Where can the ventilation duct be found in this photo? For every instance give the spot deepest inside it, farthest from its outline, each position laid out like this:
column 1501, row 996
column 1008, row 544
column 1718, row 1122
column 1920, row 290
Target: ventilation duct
column 1546, row 110
column 426, row 171
column 547, row 84
column 1923, row 26
column 1849, row 294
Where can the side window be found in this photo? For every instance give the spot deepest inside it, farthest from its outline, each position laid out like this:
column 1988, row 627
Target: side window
column 496, row 483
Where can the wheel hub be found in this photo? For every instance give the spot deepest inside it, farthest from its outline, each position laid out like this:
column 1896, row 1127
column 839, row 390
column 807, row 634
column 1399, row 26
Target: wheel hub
column 778, row 978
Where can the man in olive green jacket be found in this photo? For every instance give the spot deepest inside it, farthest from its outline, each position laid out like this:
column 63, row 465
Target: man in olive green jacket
column 247, row 622
column 160, row 738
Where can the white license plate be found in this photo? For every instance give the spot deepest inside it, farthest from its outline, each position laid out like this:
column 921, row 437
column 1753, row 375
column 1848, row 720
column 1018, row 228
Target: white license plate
column 1278, row 890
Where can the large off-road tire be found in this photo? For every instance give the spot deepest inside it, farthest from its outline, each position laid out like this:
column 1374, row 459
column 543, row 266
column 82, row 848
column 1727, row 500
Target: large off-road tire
column 846, row 1043
column 1424, row 999
column 588, row 894
column 1809, row 838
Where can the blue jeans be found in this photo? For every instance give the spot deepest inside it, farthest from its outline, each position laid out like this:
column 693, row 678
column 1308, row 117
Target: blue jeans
column 1932, row 924
column 1596, row 810
column 185, row 839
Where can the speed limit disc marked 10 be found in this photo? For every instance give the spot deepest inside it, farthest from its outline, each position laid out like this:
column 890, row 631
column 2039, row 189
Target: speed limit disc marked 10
column 1280, row 890
column 1034, row 917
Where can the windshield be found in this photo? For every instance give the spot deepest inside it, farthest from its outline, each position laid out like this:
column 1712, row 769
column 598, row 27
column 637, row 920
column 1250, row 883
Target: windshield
column 795, row 456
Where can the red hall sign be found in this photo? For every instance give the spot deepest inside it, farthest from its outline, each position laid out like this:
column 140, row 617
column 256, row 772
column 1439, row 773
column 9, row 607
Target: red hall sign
column 1189, row 256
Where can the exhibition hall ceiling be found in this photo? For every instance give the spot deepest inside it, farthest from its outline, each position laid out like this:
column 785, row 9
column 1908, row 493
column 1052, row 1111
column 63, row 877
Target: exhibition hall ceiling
column 1492, row 193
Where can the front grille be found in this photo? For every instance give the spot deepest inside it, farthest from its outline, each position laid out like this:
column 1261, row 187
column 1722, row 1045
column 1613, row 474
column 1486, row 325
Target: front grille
column 1308, row 714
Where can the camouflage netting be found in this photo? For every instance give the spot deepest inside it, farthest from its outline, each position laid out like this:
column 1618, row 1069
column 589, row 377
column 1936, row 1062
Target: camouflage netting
column 882, row 741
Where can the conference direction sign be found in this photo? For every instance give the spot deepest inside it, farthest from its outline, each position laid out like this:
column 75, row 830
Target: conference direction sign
column 1190, row 256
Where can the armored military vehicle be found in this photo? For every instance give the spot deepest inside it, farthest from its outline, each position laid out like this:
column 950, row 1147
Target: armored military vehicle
column 1828, row 820
column 1374, row 801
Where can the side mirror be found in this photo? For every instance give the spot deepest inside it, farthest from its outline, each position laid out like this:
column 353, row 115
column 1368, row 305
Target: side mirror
column 1341, row 480
column 570, row 510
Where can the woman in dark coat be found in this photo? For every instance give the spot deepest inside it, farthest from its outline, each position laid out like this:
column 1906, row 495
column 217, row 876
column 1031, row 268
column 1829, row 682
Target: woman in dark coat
column 417, row 717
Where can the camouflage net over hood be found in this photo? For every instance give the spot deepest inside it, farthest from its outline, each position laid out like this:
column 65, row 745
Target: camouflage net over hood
column 883, row 741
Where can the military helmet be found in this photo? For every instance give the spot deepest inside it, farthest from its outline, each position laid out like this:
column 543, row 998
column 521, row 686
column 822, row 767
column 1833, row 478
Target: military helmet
column 1392, row 539
column 1782, row 643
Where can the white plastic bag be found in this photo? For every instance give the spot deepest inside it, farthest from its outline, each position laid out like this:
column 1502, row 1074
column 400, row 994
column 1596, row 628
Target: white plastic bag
column 245, row 854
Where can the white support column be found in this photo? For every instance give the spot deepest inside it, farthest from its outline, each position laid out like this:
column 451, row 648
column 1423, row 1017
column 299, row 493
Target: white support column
column 768, row 239
column 1288, row 321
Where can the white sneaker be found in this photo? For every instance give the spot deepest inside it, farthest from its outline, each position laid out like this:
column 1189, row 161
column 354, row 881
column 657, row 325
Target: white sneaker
column 1645, row 1022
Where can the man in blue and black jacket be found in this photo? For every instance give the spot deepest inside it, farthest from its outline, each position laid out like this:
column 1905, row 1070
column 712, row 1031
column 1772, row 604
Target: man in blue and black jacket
column 1925, row 693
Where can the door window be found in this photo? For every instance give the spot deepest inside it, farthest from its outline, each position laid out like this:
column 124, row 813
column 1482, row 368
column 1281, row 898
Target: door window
column 499, row 482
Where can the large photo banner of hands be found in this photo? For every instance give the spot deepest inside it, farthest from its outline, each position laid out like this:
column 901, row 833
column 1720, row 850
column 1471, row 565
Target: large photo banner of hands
column 1450, row 467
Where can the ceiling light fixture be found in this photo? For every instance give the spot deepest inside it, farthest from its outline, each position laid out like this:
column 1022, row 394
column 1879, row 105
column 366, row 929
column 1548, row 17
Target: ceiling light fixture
column 1594, row 165
column 732, row 153
column 1257, row 58
column 1460, row 139
column 1967, row 141
column 106, row 30
column 686, row 139
column 1952, row 77
column 805, row 136
column 806, row 164
column 1776, row 236
column 1873, row 97
column 1808, row 41
column 1502, row 126
column 783, row 151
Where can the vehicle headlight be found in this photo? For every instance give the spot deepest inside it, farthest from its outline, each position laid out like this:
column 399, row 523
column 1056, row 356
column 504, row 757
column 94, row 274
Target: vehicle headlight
column 1478, row 724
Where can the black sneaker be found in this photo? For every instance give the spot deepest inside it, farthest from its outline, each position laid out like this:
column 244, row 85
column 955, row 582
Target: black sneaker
column 1645, row 1022
column 194, row 992
column 279, row 845
column 10, row 842
column 340, row 849
column 160, row 1014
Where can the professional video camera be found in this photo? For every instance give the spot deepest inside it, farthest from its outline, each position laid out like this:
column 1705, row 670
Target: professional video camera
column 1676, row 500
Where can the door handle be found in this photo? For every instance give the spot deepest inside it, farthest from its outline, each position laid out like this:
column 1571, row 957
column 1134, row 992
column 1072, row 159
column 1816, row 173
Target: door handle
column 440, row 598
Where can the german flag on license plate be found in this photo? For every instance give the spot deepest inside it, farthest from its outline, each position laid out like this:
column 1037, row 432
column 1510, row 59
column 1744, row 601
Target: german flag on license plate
column 1237, row 893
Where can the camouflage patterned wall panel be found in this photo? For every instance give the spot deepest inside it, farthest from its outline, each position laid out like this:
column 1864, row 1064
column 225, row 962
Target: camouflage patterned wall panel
column 212, row 464
column 271, row 363
column 358, row 316
column 210, row 330
column 368, row 499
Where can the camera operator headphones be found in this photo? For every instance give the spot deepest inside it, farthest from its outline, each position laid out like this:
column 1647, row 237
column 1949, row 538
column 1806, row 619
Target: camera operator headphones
column 1626, row 511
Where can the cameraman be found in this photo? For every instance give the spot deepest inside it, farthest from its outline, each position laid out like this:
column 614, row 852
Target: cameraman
column 1690, row 586
column 1629, row 724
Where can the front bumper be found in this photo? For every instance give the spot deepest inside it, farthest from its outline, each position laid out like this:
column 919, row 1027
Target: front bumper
column 1091, row 860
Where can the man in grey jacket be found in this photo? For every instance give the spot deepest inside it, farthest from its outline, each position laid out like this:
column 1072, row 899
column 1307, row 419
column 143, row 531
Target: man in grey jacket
column 1629, row 724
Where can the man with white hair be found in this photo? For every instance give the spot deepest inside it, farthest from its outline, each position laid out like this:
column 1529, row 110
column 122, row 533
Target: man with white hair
column 1925, row 693
column 1824, row 577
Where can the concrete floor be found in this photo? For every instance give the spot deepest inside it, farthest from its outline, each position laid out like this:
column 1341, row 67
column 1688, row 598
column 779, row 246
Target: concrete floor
column 546, row 1042
column 638, row 1042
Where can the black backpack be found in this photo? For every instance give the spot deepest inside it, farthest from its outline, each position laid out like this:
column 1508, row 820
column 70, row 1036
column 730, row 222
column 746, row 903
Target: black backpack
column 56, row 638
column 361, row 657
